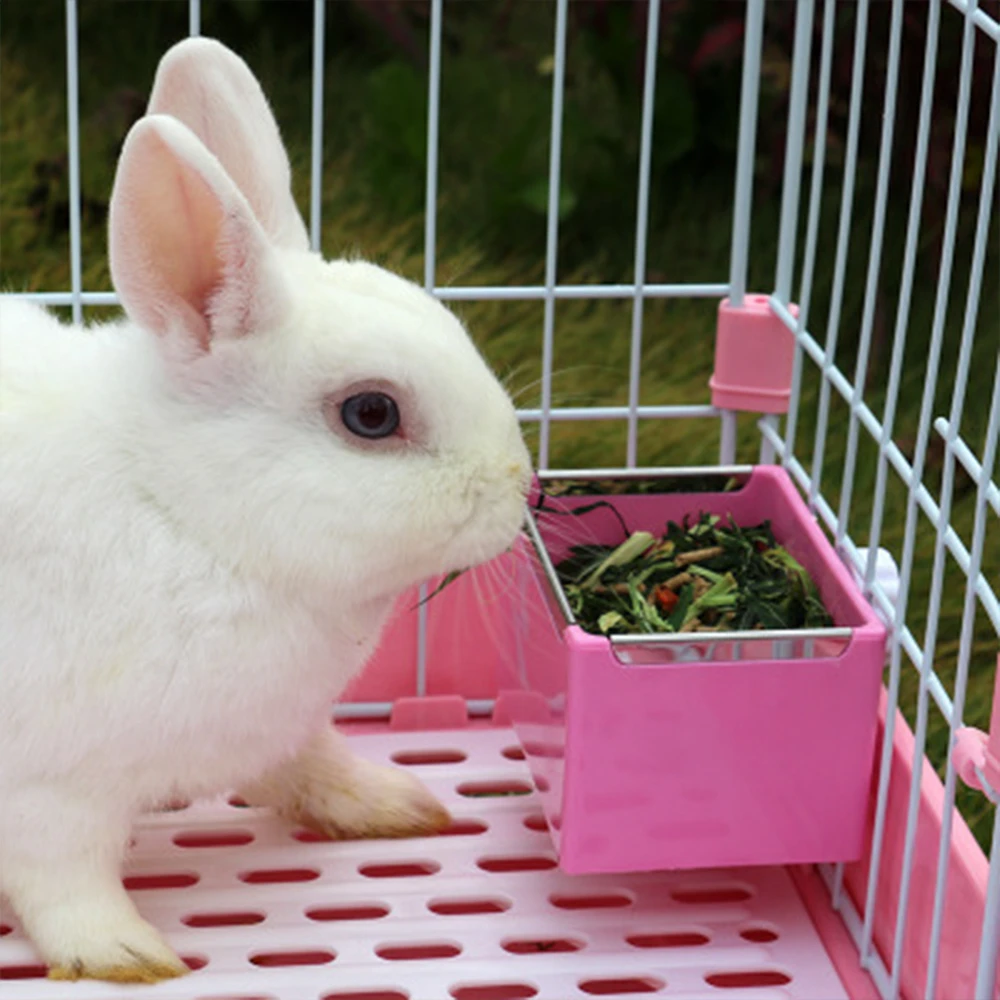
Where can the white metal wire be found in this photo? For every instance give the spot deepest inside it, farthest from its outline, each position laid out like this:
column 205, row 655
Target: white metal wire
column 642, row 226
column 753, row 39
column 552, row 227
column 794, row 139
column 73, row 139
column 194, row 17
column 989, row 944
column 753, row 36
column 316, row 163
column 982, row 20
column 942, row 523
column 812, row 225
column 921, row 503
column 986, row 204
column 874, row 260
column 430, row 264
column 465, row 293
column 843, row 240
column 906, row 285
column 908, row 474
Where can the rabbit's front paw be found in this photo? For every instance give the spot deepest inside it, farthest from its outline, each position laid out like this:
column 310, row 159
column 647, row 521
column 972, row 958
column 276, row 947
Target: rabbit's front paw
column 131, row 953
column 329, row 789
column 375, row 802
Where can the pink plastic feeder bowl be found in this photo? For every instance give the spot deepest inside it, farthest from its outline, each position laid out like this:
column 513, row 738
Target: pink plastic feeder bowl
column 751, row 749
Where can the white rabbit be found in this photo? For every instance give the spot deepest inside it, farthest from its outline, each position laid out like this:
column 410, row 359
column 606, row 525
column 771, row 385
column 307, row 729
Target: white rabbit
column 206, row 512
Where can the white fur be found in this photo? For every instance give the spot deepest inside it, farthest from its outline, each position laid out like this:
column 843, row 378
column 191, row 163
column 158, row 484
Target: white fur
column 192, row 562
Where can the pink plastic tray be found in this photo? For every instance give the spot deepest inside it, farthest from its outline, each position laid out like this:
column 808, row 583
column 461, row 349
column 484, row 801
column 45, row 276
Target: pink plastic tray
column 712, row 753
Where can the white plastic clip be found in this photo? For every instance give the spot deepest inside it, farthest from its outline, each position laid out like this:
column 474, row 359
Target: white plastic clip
column 886, row 578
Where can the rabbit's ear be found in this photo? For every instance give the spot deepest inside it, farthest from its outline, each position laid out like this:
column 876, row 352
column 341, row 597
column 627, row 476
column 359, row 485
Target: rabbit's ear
column 187, row 253
column 211, row 90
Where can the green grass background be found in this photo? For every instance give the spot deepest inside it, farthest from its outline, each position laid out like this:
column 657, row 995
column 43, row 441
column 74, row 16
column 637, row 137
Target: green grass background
column 491, row 225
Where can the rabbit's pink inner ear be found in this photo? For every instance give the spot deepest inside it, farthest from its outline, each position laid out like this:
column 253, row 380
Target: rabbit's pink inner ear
column 186, row 253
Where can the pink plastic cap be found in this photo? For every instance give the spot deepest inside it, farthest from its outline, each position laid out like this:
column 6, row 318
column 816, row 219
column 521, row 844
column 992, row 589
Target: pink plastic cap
column 978, row 751
column 991, row 766
column 754, row 351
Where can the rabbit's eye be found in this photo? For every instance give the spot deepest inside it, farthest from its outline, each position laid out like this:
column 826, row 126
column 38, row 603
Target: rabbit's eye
column 370, row 415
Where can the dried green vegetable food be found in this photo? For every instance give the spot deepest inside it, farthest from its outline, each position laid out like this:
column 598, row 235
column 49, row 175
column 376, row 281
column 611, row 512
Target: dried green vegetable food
column 710, row 576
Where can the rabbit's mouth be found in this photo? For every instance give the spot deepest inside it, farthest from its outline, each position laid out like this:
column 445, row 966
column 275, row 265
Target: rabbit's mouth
column 493, row 522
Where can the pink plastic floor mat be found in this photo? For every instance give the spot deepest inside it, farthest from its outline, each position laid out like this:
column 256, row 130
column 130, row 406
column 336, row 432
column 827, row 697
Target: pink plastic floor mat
column 264, row 912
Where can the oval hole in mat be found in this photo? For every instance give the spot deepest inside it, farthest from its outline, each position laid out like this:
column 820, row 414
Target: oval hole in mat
column 604, row 901
column 5, row 930
column 541, row 946
column 513, row 753
column 168, row 880
column 237, row 996
column 675, row 939
column 23, row 971
column 194, row 962
column 213, row 838
column 550, row 751
column 237, row 803
column 465, row 828
column 367, row 995
column 278, row 959
column 311, row 837
column 400, row 869
column 747, row 980
column 442, row 755
column 616, row 987
column 526, row 863
column 467, row 907
column 494, row 991
column 416, row 952
column 536, row 822
column 541, row 782
column 759, row 935
column 268, row 876
column 245, row 918
column 493, row 789
column 360, row 911
column 712, row 894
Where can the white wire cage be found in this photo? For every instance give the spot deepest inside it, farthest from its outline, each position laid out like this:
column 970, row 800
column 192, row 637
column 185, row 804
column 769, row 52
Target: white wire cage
column 831, row 398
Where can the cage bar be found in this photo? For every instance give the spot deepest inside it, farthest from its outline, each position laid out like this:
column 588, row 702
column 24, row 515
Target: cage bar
column 989, row 942
column 792, row 183
column 843, row 241
column 941, row 522
column 874, row 260
column 73, row 152
column 641, row 225
column 753, row 34
column 316, row 152
column 906, row 285
column 552, row 226
column 430, row 265
column 986, row 200
column 753, row 38
column 923, row 498
column 812, row 224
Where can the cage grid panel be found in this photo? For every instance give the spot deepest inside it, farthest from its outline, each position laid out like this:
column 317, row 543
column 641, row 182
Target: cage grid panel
column 259, row 912
column 920, row 653
column 817, row 352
